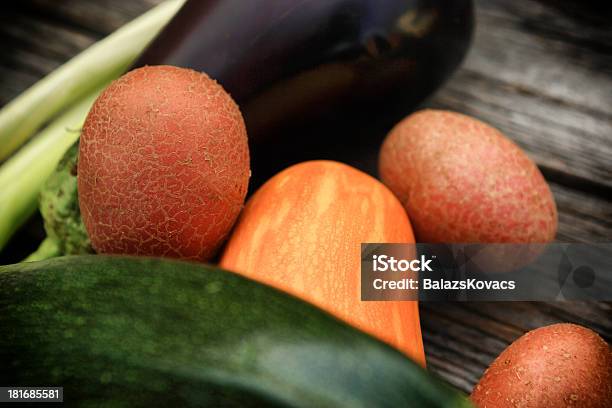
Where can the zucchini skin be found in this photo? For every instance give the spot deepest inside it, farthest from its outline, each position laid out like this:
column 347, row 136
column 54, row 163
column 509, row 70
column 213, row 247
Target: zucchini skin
column 125, row 331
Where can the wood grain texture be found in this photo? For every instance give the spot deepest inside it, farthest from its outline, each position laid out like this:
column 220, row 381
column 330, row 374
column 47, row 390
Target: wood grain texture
column 539, row 70
column 96, row 16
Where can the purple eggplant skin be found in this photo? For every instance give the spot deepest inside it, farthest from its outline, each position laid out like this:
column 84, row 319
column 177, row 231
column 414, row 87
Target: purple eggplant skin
column 318, row 79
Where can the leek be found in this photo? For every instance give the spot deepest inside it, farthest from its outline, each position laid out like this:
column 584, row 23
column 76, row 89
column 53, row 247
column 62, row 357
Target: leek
column 23, row 175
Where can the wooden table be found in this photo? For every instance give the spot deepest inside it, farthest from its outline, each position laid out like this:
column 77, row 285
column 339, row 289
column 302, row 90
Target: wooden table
column 541, row 71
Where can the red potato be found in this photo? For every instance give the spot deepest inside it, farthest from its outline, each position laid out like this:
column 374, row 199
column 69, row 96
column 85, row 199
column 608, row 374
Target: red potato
column 461, row 180
column 163, row 165
column 562, row 365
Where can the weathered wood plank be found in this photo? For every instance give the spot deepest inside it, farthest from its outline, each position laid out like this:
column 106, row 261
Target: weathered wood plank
column 48, row 39
column 582, row 217
column 99, row 16
column 32, row 47
column 533, row 44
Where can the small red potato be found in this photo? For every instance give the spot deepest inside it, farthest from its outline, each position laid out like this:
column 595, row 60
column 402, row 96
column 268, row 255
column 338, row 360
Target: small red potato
column 462, row 181
column 560, row 366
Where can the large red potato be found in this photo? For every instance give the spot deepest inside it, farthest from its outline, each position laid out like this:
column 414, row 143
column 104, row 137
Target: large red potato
column 163, row 165
column 461, row 180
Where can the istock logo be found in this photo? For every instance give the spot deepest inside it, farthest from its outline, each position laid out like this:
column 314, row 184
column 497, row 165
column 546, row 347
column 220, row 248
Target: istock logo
column 383, row 263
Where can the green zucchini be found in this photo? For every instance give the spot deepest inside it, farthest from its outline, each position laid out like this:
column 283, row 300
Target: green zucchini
column 125, row 331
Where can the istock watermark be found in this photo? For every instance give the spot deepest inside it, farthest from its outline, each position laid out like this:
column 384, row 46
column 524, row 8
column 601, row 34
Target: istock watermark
column 486, row 272
column 382, row 263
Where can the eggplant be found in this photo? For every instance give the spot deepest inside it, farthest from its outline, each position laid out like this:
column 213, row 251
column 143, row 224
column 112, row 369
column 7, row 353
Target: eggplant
column 318, row 79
